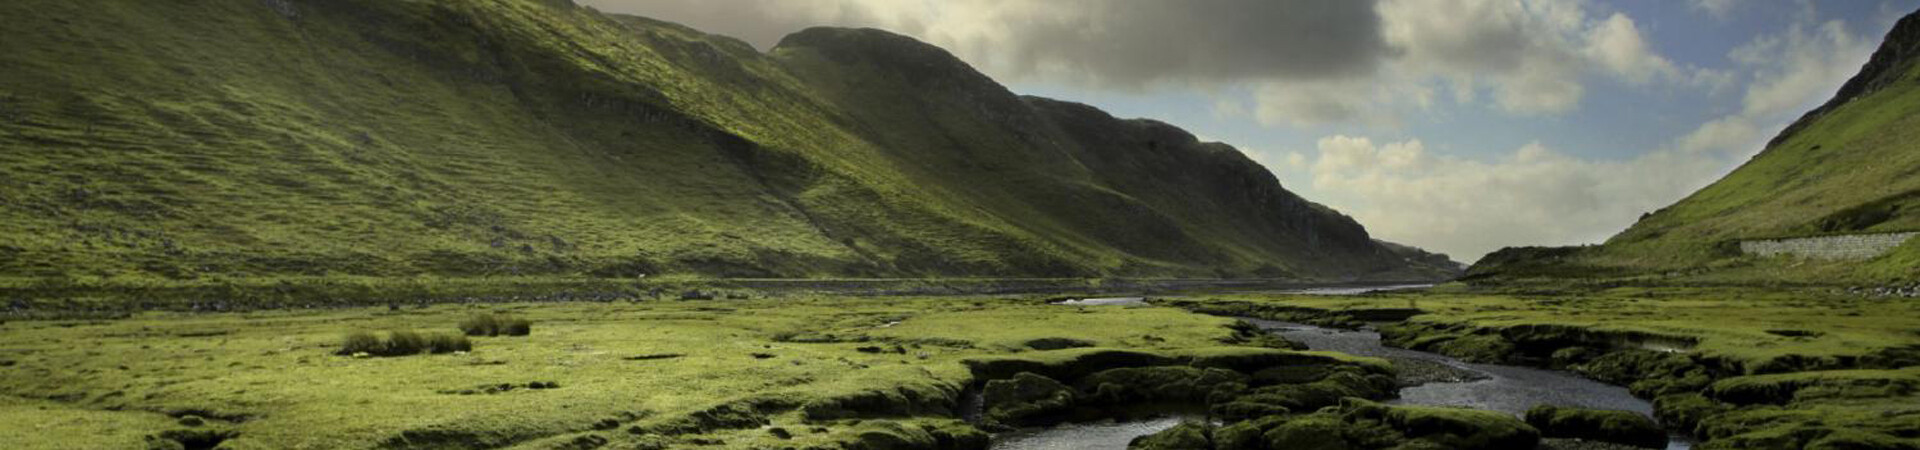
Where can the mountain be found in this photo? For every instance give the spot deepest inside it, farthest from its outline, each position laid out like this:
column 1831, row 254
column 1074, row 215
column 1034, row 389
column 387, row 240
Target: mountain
column 1847, row 167
column 261, row 139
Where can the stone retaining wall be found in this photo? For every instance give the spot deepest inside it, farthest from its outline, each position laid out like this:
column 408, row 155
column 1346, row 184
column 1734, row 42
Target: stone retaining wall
column 1852, row 246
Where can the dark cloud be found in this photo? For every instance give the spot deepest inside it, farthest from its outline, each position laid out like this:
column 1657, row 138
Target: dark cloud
column 759, row 22
column 1124, row 43
column 1141, row 42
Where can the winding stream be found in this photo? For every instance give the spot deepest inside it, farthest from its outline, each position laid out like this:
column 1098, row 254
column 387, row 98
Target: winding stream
column 1450, row 382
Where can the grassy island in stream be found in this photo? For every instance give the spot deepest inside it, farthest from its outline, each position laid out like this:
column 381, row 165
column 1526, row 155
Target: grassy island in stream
column 1741, row 368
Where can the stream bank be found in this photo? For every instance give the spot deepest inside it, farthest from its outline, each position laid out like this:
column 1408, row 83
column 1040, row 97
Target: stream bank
column 1421, row 378
column 1744, row 390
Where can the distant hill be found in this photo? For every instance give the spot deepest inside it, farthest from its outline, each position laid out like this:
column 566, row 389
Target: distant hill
column 371, row 138
column 1850, row 166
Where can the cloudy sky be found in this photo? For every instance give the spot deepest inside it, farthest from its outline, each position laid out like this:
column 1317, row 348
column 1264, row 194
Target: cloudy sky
column 1460, row 126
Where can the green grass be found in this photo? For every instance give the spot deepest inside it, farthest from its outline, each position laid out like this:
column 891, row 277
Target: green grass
column 165, row 143
column 274, row 378
column 34, row 423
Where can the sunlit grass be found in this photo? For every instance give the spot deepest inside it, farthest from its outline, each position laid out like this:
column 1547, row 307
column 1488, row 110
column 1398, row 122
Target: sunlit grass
column 280, row 371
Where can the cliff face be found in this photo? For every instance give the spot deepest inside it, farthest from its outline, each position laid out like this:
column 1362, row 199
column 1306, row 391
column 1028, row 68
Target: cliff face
column 374, row 138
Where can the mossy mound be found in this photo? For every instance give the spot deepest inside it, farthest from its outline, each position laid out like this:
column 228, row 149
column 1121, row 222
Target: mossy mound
column 1477, row 348
column 1621, row 427
column 937, row 434
column 1840, row 409
column 1026, row 399
column 1684, row 411
column 1880, row 425
column 1358, row 425
column 1648, row 373
column 1158, row 384
column 906, row 399
column 1328, row 391
column 1219, row 378
column 1781, row 389
column 1481, row 345
column 1449, row 427
column 1184, row 436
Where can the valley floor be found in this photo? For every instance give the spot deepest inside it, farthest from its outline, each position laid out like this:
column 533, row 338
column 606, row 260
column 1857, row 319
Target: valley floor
column 725, row 373
column 1741, row 368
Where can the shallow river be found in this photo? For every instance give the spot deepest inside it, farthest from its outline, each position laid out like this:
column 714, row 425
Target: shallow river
column 1496, row 387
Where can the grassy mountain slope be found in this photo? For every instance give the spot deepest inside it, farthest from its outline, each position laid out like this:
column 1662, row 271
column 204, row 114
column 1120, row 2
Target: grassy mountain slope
column 171, row 142
column 1849, row 166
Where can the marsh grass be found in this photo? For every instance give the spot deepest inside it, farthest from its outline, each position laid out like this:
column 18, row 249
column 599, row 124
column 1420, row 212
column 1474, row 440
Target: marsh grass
column 403, row 343
column 448, row 343
column 361, row 342
column 488, row 324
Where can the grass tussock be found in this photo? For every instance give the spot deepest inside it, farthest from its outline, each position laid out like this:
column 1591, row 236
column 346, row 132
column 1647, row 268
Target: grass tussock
column 403, row 343
column 496, row 325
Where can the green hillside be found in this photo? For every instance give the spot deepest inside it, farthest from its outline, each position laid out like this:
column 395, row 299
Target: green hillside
column 1847, row 167
column 182, row 142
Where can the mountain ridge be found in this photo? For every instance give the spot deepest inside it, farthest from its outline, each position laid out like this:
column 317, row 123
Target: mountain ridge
column 519, row 138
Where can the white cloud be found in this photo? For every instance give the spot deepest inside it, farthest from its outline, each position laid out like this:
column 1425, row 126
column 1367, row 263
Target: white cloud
column 1310, row 62
column 1789, row 73
column 1522, row 51
column 1617, row 45
column 1532, row 195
